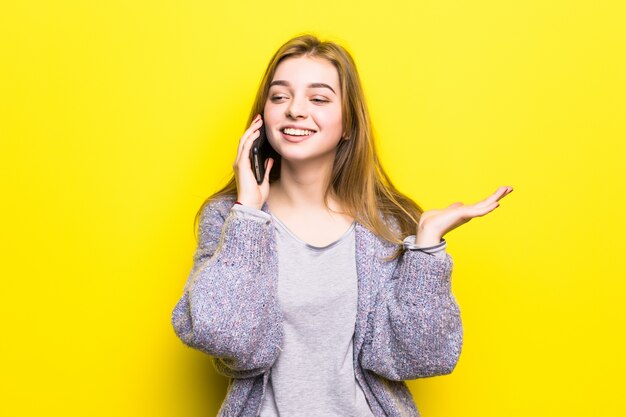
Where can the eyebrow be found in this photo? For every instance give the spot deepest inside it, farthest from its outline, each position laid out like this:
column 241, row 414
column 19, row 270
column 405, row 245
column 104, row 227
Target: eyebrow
column 312, row 85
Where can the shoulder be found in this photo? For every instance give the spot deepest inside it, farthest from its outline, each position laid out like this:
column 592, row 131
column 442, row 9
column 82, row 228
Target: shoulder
column 212, row 216
column 384, row 222
column 216, row 208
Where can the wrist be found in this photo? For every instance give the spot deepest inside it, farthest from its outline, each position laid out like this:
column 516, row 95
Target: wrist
column 426, row 238
column 243, row 202
column 409, row 243
column 427, row 241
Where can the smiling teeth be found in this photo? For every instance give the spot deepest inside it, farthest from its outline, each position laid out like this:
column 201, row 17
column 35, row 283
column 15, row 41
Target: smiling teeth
column 297, row 132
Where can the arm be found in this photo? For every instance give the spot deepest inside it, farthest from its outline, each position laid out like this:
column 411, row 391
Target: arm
column 228, row 308
column 415, row 328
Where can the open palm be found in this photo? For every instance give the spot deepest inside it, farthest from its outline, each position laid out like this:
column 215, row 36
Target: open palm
column 438, row 222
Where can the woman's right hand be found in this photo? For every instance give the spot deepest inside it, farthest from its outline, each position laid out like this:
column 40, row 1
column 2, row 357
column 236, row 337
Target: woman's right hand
column 249, row 193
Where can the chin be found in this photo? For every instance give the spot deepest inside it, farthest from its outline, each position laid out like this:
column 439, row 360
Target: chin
column 302, row 157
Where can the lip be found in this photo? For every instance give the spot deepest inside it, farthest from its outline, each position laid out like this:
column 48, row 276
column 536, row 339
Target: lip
column 295, row 139
column 296, row 127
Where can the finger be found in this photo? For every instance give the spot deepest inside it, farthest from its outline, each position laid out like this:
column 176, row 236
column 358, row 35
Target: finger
column 244, row 147
column 256, row 123
column 505, row 191
column 245, row 150
column 254, row 126
column 481, row 211
column 500, row 192
column 245, row 137
column 509, row 190
column 269, row 163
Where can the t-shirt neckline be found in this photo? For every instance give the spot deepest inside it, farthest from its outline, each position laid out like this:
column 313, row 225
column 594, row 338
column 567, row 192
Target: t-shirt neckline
column 343, row 237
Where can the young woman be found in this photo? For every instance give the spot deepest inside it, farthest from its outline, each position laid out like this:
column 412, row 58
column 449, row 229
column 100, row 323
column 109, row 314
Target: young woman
column 319, row 291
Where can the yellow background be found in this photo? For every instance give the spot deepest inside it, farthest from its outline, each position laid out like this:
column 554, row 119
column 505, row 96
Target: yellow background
column 119, row 118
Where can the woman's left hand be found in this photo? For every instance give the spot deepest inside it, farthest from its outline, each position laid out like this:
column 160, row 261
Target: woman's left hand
column 434, row 224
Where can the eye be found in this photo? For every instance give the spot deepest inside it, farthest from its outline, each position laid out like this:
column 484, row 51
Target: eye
column 278, row 98
column 320, row 100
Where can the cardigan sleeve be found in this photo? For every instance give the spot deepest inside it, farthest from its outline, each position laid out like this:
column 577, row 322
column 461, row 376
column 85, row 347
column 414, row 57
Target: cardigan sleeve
column 414, row 329
column 228, row 307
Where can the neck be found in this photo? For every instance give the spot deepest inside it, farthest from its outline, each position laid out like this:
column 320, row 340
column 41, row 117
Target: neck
column 302, row 186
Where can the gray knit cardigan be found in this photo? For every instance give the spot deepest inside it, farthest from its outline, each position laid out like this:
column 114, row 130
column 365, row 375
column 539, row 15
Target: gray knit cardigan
column 408, row 323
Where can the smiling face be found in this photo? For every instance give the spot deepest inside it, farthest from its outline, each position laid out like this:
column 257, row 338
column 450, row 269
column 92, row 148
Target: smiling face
column 302, row 113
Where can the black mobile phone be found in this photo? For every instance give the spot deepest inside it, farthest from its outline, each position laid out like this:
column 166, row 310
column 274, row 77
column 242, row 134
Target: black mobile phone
column 260, row 151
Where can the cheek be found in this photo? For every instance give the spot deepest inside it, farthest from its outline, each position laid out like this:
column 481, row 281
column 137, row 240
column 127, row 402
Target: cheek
column 334, row 120
column 269, row 117
column 269, row 120
column 271, row 112
column 266, row 111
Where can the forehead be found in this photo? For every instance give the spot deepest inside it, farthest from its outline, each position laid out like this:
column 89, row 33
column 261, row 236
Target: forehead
column 305, row 70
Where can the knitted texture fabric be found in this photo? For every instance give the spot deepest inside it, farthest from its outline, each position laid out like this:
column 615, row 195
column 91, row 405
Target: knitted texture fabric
column 408, row 322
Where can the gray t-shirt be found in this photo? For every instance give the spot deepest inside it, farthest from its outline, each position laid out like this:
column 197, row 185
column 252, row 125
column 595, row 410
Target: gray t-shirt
column 317, row 291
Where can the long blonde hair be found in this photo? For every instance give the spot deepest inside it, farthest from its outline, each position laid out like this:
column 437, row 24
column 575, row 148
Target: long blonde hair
column 358, row 180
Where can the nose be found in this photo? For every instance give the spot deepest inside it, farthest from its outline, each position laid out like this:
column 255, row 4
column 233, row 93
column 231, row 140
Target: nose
column 297, row 108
